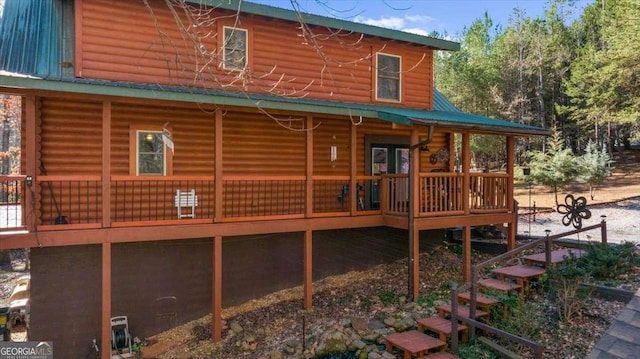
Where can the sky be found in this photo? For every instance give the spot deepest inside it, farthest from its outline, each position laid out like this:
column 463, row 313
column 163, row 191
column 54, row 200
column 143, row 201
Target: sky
column 424, row 16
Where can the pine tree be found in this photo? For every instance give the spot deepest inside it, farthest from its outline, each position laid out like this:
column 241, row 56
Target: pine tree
column 594, row 167
column 554, row 168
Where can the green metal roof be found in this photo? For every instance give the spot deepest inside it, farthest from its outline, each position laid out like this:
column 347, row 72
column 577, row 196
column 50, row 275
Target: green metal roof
column 441, row 103
column 329, row 22
column 444, row 113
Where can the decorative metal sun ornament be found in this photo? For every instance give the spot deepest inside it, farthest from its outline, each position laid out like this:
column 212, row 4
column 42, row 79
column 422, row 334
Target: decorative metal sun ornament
column 574, row 210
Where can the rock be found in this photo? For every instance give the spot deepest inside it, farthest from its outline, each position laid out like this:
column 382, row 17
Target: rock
column 249, row 337
column 405, row 324
column 331, row 342
column 291, row 346
column 236, row 327
column 358, row 344
column 387, row 355
column 389, row 321
column 363, row 354
column 276, row 355
column 374, row 356
column 360, row 325
column 376, row 324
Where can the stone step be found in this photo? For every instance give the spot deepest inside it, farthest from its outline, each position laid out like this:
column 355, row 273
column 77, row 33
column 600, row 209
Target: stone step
column 442, row 327
column 491, row 283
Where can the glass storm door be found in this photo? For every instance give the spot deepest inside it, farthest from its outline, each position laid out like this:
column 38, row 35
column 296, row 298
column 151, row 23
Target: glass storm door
column 387, row 159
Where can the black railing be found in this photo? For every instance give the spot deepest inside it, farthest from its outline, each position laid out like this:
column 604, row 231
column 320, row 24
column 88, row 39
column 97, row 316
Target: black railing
column 11, row 206
column 264, row 197
column 139, row 199
column 70, row 200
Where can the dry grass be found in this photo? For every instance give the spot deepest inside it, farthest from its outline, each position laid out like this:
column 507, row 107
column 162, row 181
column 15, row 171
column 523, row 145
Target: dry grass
column 624, row 183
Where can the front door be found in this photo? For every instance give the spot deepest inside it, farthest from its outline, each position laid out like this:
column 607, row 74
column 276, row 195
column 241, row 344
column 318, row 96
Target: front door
column 387, row 159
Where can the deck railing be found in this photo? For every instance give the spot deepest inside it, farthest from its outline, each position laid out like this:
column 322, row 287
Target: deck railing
column 11, row 197
column 488, row 192
column 70, row 200
column 152, row 199
column 440, row 193
column 260, row 197
column 136, row 200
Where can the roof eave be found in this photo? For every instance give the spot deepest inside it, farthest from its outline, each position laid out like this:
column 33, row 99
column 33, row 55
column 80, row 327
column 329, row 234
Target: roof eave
column 489, row 129
column 329, row 22
column 166, row 94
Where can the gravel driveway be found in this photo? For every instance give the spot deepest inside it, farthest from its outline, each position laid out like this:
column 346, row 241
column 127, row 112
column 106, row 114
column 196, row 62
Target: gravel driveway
column 623, row 222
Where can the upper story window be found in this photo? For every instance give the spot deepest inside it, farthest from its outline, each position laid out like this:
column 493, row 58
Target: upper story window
column 151, row 158
column 388, row 77
column 235, row 48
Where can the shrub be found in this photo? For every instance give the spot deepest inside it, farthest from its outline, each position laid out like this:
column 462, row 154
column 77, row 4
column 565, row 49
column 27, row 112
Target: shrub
column 605, row 261
column 388, row 297
column 566, row 288
column 475, row 350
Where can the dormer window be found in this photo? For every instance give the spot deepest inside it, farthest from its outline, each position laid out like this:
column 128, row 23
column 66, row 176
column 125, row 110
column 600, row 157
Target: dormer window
column 235, row 48
column 388, row 77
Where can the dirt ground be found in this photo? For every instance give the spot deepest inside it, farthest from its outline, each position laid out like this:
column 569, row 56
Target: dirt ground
column 623, row 183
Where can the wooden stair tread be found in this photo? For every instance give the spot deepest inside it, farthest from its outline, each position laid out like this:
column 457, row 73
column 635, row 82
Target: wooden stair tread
column 498, row 284
column 413, row 342
column 481, row 299
column 520, row 271
column 441, row 355
column 463, row 311
column 557, row 256
column 438, row 324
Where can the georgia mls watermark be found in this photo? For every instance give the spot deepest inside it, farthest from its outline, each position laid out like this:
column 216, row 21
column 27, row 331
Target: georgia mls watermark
column 26, row 350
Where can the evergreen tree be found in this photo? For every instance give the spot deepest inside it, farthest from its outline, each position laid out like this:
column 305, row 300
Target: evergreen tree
column 554, row 168
column 594, row 167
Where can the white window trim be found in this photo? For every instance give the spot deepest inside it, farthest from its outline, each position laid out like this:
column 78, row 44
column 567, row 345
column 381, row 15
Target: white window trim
column 164, row 154
column 224, row 48
column 378, row 98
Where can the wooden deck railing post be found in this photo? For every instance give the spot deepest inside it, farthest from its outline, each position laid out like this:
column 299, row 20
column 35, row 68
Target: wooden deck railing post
column 603, row 229
column 106, row 164
column 384, row 194
column 31, row 160
column 105, row 335
column 454, row 316
column 216, row 286
column 473, row 299
column 547, row 249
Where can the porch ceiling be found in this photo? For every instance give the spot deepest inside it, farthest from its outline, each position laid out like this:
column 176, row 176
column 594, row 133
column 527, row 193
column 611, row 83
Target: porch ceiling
column 444, row 113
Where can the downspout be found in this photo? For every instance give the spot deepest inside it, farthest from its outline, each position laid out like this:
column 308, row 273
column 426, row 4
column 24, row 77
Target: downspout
column 411, row 211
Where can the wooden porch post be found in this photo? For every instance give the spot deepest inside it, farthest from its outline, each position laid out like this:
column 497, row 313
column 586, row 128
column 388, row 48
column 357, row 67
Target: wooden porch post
column 218, row 184
column 308, row 234
column 466, row 183
column 353, row 183
column 105, row 337
column 309, row 168
column 414, row 234
column 216, row 303
column 106, row 164
column 512, row 227
column 308, row 269
column 30, row 158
